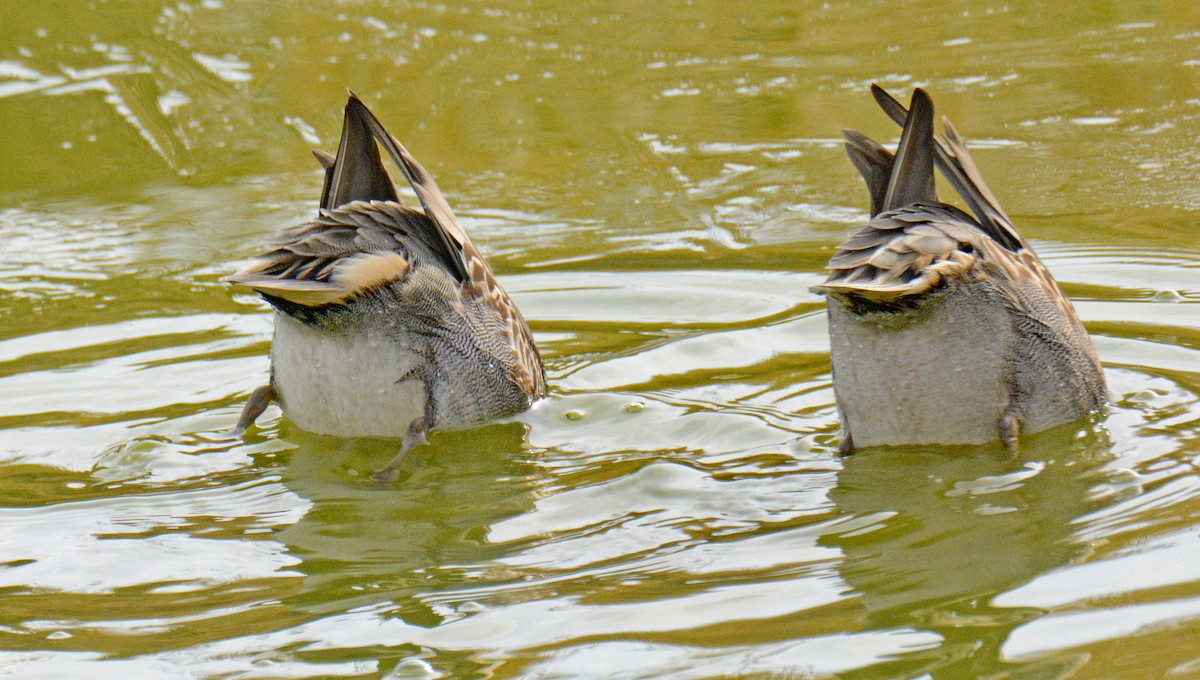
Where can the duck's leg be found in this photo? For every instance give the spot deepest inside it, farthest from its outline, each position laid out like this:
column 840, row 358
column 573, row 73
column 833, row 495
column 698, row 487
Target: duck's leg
column 846, row 447
column 258, row 402
column 415, row 436
column 1010, row 422
column 412, row 439
column 1010, row 431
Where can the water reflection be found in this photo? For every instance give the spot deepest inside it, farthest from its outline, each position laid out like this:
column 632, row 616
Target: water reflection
column 657, row 193
column 951, row 528
column 383, row 541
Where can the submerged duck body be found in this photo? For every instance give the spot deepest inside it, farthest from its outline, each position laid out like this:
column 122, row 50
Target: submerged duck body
column 946, row 328
column 388, row 321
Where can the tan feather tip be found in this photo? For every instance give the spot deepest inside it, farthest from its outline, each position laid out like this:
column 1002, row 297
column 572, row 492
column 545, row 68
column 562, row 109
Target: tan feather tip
column 891, row 284
column 880, row 292
column 246, row 273
column 358, row 274
column 350, row 277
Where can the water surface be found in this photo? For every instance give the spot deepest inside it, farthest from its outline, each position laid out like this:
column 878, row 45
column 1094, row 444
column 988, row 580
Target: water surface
column 656, row 184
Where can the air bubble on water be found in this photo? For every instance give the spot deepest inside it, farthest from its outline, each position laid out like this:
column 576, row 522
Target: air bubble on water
column 1166, row 295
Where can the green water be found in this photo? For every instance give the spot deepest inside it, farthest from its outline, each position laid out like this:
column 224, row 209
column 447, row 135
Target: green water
column 656, row 184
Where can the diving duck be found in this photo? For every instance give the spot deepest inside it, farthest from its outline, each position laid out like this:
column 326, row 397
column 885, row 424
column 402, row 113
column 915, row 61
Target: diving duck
column 388, row 320
column 946, row 328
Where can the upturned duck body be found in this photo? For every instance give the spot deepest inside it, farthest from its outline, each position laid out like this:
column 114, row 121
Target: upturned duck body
column 388, row 320
column 946, row 328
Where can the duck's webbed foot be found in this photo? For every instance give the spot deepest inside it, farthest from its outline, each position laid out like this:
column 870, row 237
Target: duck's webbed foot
column 412, row 439
column 258, row 402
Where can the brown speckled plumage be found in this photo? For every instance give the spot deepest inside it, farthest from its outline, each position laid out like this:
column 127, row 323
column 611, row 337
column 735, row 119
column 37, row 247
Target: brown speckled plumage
column 946, row 328
column 388, row 319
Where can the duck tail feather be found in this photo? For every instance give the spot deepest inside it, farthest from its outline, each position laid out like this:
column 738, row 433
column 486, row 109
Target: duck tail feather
column 451, row 239
column 959, row 168
column 357, row 172
column 911, row 178
column 873, row 162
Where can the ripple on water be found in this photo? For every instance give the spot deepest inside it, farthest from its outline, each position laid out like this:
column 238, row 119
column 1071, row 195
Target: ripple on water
column 103, row 545
column 813, row 656
column 663, row 505
column 132, row 366
column 676, row 507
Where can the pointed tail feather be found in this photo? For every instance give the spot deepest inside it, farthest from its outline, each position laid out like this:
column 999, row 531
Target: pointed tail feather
column 451, row 236
column 873, row 162
column 357, row 172
column 911, row 178
column 326, row 160
column 974, row 181
column 959, row 168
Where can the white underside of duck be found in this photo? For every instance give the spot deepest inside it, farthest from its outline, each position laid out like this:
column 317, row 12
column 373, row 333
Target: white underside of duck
column 946, row 328
column 349, row 385
column 941, row 375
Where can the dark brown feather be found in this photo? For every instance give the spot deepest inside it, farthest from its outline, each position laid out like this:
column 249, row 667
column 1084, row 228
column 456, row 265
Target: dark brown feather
column 911, row 178
column 873, row 162
column 956, row 164
column 364, row 239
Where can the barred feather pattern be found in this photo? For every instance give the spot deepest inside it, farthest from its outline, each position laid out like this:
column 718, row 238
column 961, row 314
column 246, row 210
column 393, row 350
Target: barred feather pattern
column 389, row 320
column 904, row 252
column 337, row 256
column 360, row 271
column 946, row 327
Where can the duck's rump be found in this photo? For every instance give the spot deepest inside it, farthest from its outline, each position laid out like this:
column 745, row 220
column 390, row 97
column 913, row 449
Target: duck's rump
column 347, row 381
column 409, row 350
column 940, row 373
column 946, row 328
column 949, row 364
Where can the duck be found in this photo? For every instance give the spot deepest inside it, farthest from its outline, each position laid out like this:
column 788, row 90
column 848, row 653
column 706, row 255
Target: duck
column 946, row 328
column 388, row 321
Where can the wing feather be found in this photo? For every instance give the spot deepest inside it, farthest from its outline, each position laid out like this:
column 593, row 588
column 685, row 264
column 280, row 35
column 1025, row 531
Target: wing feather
column 364, row 238
column 915, row 249
column 955, row 162
column 448, row 238
column 340, row 255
